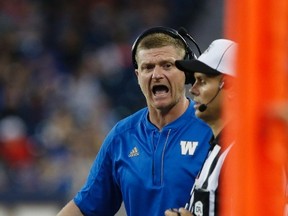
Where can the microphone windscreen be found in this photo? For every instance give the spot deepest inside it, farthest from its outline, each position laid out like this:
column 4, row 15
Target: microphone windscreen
column 202, row 107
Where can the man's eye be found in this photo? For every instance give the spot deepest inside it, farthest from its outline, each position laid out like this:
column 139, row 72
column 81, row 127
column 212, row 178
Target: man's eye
column 167, row 65
column 200, row 81
column 147, row 68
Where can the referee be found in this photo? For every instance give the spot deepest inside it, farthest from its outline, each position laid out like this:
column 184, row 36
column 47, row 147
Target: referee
column 213, row 72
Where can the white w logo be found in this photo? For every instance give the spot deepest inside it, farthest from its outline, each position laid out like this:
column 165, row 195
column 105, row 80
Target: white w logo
column 188, row 147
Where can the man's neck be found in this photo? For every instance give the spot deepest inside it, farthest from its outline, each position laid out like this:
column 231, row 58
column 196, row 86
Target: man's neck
column 217, row 127
column 161, row 118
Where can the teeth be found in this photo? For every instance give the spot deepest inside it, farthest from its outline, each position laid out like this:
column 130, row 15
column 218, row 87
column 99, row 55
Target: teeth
column 160, row 92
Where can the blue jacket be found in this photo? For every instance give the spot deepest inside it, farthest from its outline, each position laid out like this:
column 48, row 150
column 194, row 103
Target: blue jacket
column 149, row 170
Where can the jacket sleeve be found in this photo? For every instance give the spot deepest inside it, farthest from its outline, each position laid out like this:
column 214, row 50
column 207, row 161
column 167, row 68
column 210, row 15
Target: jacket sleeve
column 100, row 195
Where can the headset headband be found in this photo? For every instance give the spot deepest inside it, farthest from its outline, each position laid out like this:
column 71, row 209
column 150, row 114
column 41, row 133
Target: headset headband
column 189, row 54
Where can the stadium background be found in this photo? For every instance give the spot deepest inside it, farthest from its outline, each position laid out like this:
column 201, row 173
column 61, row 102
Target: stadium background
column 65, row 79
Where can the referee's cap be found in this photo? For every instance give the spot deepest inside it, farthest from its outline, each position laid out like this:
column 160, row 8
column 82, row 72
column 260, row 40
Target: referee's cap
column 218, row 58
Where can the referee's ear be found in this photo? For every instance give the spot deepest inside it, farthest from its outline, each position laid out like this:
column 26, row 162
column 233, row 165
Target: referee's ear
column 229, row 87
column 228, row 82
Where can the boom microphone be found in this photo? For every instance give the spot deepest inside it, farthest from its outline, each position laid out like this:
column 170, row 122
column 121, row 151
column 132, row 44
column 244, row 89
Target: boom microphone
column 203, row 107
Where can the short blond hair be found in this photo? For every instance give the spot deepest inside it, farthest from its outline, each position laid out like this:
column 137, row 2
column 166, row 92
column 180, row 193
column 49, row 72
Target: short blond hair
column 158, row 40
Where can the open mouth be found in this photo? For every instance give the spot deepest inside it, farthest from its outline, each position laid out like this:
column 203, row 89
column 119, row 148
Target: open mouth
column 160, row 90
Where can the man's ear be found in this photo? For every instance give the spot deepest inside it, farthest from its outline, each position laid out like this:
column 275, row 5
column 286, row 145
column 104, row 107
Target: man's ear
column 229, row 81
column 228, row 85
column 136, row 73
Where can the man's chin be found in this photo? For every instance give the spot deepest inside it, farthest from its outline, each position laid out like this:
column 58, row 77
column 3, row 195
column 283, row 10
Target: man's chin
column 162, row 105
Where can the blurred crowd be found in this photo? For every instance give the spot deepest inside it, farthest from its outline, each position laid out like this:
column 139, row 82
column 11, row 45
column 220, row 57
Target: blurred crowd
column 65, row 79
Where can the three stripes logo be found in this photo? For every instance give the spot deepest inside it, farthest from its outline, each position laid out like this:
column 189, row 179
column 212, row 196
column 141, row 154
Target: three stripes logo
column 134, row 152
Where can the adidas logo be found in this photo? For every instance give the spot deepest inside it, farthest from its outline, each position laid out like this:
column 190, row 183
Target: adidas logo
column 134, row 152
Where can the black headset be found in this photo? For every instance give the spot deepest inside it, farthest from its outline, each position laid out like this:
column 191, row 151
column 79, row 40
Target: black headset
column 180, row 34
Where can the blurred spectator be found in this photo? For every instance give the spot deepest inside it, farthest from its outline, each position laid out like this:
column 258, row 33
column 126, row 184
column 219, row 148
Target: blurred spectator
column 65, row 79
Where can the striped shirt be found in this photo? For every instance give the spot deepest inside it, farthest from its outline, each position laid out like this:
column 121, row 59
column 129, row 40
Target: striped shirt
column 204, row 196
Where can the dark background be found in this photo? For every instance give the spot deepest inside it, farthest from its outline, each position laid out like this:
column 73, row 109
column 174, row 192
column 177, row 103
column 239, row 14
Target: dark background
column 66, row 78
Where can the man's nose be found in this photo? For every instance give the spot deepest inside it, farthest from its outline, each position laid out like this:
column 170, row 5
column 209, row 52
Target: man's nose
column 157, row 73
column 193, row 90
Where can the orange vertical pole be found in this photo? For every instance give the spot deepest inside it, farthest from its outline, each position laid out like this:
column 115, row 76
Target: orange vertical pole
column 261, row 29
